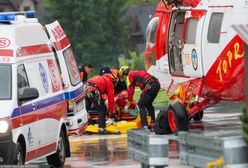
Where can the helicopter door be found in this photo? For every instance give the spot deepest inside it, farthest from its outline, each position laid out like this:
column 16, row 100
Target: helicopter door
column 192, row 43
column 174, row 42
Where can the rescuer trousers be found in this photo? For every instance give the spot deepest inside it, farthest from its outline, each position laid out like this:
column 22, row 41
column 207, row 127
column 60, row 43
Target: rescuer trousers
column 145, row 102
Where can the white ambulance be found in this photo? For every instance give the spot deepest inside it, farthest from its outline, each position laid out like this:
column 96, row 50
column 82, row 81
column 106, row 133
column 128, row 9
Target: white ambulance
column 37, row 79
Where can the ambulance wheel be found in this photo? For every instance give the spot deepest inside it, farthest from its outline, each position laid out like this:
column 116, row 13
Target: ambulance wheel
column 58, row 159
column 178, row 117
column 19, row 160
column 198, row 116
column 161, row 125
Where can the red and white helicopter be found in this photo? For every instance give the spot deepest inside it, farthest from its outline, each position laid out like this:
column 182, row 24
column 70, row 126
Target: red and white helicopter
column 193, row 49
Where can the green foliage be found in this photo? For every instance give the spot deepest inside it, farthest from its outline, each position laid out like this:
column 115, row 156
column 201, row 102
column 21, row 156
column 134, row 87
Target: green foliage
column 244, row 119
column 136, row 61
column 142, row 2
column 160, row 101
column 94, row 28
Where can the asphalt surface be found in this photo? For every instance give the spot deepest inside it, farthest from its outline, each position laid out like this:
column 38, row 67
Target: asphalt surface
column 98, row 151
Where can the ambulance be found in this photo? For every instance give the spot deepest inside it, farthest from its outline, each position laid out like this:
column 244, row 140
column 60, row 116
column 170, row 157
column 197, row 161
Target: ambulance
column 39, row 87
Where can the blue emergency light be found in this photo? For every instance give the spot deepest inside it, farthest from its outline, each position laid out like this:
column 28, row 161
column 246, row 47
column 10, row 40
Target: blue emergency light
column 7, row 17
column 30, row 14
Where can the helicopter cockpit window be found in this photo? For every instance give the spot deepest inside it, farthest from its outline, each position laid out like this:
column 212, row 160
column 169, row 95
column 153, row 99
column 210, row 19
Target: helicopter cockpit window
column 190, row 31
column 151, row 31
column 215, row 27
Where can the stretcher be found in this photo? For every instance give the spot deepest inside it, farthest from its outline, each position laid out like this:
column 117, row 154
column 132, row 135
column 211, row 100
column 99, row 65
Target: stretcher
column 119, row 127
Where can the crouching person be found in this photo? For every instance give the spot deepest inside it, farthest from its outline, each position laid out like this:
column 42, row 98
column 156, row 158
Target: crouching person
column 95, row 89
column 150, row 87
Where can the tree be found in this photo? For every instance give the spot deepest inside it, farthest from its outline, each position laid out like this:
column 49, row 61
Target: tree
column 94, row 27
column 136, row 61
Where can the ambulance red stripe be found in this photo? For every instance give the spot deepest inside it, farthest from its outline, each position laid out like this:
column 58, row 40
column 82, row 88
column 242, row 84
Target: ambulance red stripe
column 6, row 52
column 40, row 151
column 63, row 43
column 54, row 112
column 34, row 49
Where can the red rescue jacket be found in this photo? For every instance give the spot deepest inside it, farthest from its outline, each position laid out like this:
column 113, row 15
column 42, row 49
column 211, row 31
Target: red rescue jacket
column 136, row 78
column 105, row 86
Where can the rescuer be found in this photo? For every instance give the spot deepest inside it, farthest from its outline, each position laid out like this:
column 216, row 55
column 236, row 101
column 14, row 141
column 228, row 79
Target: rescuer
column 149, row 86
column 100, row 89
column 84, row 71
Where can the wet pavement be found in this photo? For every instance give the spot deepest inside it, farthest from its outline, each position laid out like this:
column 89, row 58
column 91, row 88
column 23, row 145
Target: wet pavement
column 97, row 151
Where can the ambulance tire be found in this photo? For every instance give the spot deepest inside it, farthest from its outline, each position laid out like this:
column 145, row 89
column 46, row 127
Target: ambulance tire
column 161, row 125
column 58, row 159
column 19, row 160
column 198, row 116
column 178, row 117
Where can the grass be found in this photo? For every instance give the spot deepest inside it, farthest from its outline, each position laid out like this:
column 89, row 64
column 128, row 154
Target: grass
column 160, row 101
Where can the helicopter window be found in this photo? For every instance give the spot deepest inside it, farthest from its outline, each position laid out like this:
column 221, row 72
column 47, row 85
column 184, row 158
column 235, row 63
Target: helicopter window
column 190, row 31
column 215, row 27
column 152, row 30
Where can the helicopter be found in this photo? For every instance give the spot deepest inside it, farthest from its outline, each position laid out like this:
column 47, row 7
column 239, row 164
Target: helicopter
column 198, row 57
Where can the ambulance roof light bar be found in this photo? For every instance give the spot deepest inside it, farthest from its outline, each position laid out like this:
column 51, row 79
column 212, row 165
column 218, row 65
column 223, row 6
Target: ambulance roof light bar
column 11, row 16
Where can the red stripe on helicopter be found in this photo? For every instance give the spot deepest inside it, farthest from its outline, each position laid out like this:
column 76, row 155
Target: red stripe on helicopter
column 34, row 49
column 226, row 75
column 61, row 44
column 191, row 3
column 6, row 52
column 40, row 151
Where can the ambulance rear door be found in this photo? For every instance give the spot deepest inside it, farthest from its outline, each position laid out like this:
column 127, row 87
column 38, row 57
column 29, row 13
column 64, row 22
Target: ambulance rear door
column 63, row 50
column 70, row 74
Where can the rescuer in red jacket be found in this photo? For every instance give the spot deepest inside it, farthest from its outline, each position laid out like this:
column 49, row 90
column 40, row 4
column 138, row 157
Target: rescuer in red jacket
column 99, row 89
column 150, row 87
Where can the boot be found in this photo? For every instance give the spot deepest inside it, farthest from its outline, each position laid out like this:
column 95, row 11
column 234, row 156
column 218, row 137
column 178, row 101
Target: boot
column 102, row 131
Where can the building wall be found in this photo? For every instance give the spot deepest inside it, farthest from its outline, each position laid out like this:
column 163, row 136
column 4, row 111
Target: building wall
column 5, row 8
column 27, row 5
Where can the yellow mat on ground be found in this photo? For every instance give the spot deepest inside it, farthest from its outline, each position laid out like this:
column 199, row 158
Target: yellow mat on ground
column 120, row 127
column 92, row 129
column 124, row 126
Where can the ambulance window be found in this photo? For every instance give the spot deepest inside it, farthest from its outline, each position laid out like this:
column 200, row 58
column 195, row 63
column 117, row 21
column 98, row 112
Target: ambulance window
column 22, row 79
column 71, row 66
column 5, row 82
column 190, row 31
column 215, row 27
column 57, row 59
